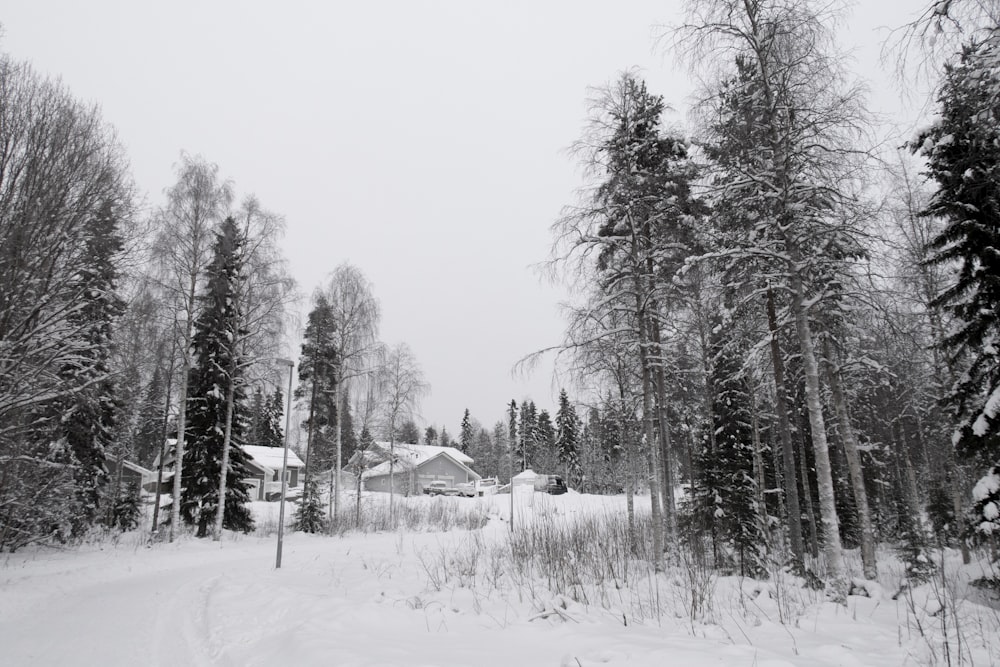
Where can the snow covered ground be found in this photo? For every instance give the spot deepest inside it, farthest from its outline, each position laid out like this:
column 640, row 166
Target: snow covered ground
column 438, row 598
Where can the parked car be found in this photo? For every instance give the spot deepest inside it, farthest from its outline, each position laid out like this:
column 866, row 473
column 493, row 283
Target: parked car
column 556, row 486
column 440, row 488
column 467, row 489
column 487, row 486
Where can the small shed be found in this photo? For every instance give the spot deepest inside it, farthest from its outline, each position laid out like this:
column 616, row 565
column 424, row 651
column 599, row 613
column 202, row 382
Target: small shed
column 529, row 479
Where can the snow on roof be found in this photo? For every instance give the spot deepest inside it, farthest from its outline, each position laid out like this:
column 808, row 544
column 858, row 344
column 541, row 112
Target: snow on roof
column 527, row 474
column 409, row 456
column 270, row 457
column 417, row 454
column 129, row 465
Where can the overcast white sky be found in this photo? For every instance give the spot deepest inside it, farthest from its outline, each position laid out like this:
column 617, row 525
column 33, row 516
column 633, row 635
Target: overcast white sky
column 424, row 142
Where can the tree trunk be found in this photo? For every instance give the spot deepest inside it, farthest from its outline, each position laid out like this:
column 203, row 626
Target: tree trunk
column 392, row 471
column 853, row 455
column 908, row 479
column 629, row 479
column 669, row 508
column 226, row 440
column 163, row 443
column 758, row 464
column 336, row 469
column 824, row 477
column 309, row 432
column 785, row 431
column 807, row 503
column 647, row 420
column 175, row 503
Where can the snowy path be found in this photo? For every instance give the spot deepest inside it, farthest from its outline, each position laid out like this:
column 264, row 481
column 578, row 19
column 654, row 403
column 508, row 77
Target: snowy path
column 94, row 612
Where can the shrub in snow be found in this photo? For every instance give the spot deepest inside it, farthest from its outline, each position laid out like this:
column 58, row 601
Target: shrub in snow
column 310, row 516
column 126, row 510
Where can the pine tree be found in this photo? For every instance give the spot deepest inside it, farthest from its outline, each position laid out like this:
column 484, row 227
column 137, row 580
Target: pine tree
column 87, row 420
column 730, row 488
column 271, row 433
column 515, row 462
column 309, row 517
column 215, row 384
column 408, row 432
column 365, row 443
column 317, row 381
column 568, row 437
column 527, row 432
column 963, row 156
column 545, row 443
column 257, row 416
column 430, row 436
column 465, row 439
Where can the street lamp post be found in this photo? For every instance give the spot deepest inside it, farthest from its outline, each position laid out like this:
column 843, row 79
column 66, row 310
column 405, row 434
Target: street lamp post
column 284, row 461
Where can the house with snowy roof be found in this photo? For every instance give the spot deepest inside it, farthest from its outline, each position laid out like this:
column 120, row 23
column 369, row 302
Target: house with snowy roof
column 264, row 463
column 415, row 467
column 130, row 474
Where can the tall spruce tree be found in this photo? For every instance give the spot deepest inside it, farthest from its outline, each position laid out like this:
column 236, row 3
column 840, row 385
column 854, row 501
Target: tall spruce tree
column 963, row 157
column 545, row 443
column 317, row 380
column 728, row 491
column 217, row 400
column 568, row 437
column 87, row 419
column 467, row 434
column 271, row 432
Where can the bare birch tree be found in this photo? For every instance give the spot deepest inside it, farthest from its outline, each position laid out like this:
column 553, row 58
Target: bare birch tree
column 403, row 385
column 356, row 316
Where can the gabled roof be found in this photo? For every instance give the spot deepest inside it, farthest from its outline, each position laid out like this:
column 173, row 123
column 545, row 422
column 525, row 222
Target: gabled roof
column 417, row 454
column 266, row 457
column 128, row 465
column 271, row 457
column 411, row 457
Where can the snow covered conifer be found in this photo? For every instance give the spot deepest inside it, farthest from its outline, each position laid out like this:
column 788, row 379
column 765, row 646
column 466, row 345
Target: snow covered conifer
column 466, row 436
column 963, row 156
column 568, row 436
column 214, row 383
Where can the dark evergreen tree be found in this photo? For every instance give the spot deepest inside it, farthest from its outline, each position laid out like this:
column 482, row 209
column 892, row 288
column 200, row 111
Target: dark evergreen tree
column 445, row 439
column 310, row 517
column 257, row 416
column 408, row 432
column 527, row 432
column 485, row 455
column 467, row 434
column 568, row 437
column 215, row 377
column 150, row 431
column 515, row 463
column 430, row 436
column 727, row 495
column 271, row 433
column 963, row 157
column 545, row 457
column 317, row 385
column 126, row 509
column 348, row 440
